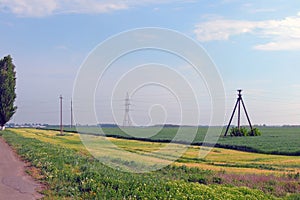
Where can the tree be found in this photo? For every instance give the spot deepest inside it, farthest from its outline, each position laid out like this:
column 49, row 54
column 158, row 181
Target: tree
column 7, row 90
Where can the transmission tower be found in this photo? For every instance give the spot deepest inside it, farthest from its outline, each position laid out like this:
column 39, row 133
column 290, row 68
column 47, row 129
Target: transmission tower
column 238, row 105
column 127, row 120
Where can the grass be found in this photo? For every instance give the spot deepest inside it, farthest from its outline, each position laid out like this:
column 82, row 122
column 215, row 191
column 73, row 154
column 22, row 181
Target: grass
column 218, row 159
column 71, row 172
column 274, row 140
column 72, row 175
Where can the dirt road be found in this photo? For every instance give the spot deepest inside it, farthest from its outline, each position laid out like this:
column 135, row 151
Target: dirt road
column 15, row 184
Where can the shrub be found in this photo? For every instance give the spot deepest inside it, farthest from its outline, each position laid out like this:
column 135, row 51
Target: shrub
column 254, row 132
column 235, row 131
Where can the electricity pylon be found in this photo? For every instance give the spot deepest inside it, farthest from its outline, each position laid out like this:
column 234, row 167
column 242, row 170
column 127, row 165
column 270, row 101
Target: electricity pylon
column 127, row 120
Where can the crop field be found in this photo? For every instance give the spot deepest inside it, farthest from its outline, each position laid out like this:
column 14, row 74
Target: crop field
column 274, row 140
column 218, row 159
column 70, row 172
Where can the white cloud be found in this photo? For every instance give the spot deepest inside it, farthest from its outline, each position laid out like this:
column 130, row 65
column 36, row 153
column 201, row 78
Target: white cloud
column 283, row 34
column 280, row 45
column 28, row 7
column 222, row 29
column 91, row 6
column 40, row 8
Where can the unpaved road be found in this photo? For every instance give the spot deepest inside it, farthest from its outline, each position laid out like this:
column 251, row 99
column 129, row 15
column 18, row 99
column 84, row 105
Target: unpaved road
column 15, row 184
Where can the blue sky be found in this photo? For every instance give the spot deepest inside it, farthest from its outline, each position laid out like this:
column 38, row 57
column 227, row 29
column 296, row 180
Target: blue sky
column 254, row 44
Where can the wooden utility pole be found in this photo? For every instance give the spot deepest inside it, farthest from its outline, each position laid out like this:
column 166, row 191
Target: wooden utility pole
column 61, row 115
column 71, row 124
column 238, row 104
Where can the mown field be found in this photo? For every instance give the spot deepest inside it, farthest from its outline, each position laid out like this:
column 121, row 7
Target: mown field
column 274, row 140
column 70, row 172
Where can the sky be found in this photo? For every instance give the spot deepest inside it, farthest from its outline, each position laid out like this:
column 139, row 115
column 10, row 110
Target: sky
column 254, row 45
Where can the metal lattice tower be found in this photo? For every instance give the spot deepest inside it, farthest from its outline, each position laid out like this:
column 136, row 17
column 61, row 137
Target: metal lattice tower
column 127, row 120
column 238, row 105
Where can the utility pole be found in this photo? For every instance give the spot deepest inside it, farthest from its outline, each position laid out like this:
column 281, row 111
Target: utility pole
column 238, row 104
column 71, row 124
column 127, row 120
column 61, row 116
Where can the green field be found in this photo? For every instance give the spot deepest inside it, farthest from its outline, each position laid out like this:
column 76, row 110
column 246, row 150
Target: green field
column 70, row 172
column 274, row 140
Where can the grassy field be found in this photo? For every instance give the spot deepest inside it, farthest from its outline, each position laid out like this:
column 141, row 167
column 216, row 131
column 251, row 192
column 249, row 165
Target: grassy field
column 70, row 171
column 274, row 140
column 218, row 159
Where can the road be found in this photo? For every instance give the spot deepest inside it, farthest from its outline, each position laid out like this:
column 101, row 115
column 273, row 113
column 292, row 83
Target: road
column 15, row 184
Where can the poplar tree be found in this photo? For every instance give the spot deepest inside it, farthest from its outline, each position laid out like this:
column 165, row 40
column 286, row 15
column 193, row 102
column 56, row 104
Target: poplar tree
column 7, row 90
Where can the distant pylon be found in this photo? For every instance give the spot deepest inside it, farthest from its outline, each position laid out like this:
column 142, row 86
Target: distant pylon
column 238, row 104
column 127, row 120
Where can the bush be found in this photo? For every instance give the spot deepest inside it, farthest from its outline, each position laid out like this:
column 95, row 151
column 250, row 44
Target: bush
column 254, row 132
column 235, row 131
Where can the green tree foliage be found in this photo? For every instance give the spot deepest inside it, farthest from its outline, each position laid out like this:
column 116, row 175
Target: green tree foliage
column 7, row 90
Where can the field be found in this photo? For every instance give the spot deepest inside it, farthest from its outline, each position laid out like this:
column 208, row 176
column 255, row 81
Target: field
column 274, row 140
column 69, row 171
